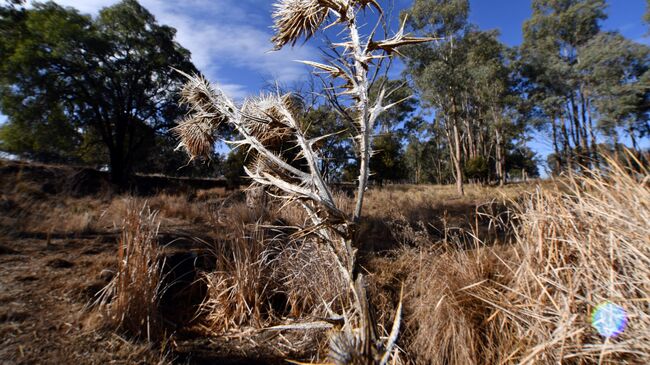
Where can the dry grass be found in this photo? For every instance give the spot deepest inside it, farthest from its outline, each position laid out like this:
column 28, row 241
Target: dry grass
column 435, row 212
column 35, row 214
column 130, row 300
column 237, row 291
column 578, row 250
column 444, row 322
column 264, row 273
column 445, row 319
column 467, row 299
column 576, row 245
column 305, row 272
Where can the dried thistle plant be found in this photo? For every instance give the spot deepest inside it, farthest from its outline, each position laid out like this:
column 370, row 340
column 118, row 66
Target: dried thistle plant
column 269, row 120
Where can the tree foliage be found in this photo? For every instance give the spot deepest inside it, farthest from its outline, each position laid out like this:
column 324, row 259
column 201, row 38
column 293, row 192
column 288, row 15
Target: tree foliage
column 106, row 81
column 583, row 81
column 471, row 81
column 101, row 91
column 387, row 164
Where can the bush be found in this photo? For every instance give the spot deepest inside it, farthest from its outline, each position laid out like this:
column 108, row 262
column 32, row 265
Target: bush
column 477, row 168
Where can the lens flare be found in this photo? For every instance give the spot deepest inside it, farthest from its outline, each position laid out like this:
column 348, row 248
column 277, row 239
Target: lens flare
column 609, row 319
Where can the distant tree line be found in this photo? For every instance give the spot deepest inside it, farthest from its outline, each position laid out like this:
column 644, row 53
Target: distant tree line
column 102, row 91
column 584, row 86
column 584, row 82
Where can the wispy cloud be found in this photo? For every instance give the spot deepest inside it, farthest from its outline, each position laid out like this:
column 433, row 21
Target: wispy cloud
column 225, row 37
column 234, row 91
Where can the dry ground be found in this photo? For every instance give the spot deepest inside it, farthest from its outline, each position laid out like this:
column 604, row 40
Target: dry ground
column 501, row 276
column 57, row 250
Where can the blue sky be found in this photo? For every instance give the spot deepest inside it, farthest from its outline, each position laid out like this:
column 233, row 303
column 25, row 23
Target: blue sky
column 229, row 39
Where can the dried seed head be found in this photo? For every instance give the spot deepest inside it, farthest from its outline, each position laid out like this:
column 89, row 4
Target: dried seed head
column 208, row 109
column 264, row 117
column 346, row 348
column 196, row 136
column 296, row 18
column 199, row 95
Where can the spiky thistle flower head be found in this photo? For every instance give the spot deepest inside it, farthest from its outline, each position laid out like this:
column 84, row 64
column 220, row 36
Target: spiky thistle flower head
column 196, row 136
column 199, row 95
column 346, row 348
column 267, row 117
column 296, row 18
column 208, row 109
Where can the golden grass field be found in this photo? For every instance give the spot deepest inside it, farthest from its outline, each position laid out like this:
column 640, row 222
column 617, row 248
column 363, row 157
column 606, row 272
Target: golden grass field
column 501, row 276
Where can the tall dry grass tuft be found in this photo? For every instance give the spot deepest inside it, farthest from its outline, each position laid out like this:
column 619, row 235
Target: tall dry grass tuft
column 444, row 322
column 585, row 244
column 130, row 300
column 237, row 290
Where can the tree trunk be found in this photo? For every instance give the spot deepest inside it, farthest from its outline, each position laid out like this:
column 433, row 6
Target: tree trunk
column 456, row 151
column 556, row 147
column 118, row 167
column 567, row 146
column 500, row 156
column 594, row 142
column 457, row 162
column 583, row 135
column 631, row 133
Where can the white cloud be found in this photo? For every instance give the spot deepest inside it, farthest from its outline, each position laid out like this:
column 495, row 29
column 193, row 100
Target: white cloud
column 222, row 35
column 234, row 91
column 86, row 6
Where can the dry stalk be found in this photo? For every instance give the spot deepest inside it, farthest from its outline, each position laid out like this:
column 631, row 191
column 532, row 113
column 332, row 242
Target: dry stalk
column 263, row 121
column 237, row 292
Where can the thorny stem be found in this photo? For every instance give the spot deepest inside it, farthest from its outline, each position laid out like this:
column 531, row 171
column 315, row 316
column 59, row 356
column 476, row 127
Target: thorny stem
column 309, row 187
column 362, row 106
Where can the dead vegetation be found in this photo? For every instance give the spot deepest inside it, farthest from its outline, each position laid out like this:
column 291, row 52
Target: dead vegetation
column 522, row 296
column 130, row 301
column 237, row 290
column 286, row 158
column 576, row 249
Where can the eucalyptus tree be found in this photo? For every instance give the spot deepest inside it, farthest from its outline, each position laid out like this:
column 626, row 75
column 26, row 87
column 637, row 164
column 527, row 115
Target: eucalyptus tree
column 616, row 77
column 471, row 81
column 105, row 80
column 438, row 68
column 497, row 99
column 585, row 81
column 553, row 39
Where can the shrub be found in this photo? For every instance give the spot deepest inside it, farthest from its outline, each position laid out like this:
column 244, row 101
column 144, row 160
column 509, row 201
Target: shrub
column 477, row 168
column 237, row 293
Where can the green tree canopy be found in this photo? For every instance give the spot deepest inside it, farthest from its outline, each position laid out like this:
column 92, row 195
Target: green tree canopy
column 107, row 81
column 583, row 81
column 387, row 163
column 615, row 71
